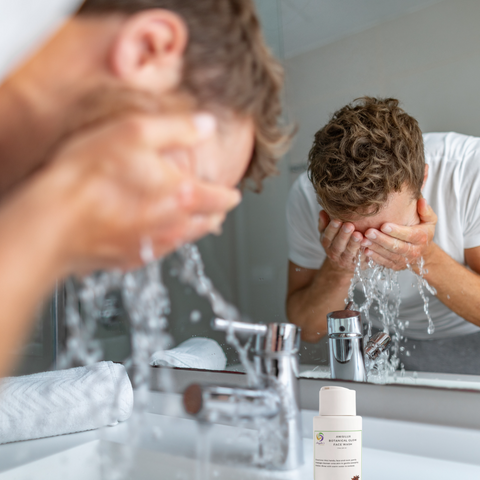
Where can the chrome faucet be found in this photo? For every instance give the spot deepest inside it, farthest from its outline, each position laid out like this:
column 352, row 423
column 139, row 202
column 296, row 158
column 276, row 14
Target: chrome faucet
column 345, row 341
column 275, row 397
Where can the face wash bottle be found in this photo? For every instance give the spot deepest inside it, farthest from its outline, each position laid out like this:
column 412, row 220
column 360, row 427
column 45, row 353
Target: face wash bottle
column 337, row 436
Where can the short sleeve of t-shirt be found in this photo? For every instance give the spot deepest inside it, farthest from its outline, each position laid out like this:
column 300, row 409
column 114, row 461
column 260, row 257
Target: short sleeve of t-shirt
column 38, row 21
column 470, row 191
column 453, row 190
column 304, row 248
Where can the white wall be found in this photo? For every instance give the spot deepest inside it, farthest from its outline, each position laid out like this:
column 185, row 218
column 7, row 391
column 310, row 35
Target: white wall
column 261, row 246
column 430, row 60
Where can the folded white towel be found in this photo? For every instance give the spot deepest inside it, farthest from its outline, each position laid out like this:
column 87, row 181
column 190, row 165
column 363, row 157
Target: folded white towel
column 64, row 401
column 197, row 352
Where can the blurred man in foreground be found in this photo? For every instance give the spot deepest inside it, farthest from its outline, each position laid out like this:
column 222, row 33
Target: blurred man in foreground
column 136, row 120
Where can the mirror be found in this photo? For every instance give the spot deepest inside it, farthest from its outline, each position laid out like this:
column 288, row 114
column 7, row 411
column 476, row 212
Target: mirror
column 425, row 53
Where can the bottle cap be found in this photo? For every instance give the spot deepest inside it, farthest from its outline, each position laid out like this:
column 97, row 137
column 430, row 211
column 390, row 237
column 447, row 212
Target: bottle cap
column 337, row 401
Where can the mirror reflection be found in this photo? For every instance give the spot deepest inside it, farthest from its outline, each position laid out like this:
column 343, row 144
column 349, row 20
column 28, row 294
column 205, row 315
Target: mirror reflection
column 415, row 61
column 384, row 164
column 375, row 203
column 408, row 164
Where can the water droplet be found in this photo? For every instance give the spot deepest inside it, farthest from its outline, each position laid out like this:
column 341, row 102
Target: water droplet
column 195, row 316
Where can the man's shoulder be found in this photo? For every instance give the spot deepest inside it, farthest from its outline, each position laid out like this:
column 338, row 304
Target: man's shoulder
column 451, row 147
column 302, row 199
column 303, row 186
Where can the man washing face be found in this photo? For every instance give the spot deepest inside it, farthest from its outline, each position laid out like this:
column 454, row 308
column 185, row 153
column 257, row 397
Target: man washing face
column 374, row 182
column 137, row 120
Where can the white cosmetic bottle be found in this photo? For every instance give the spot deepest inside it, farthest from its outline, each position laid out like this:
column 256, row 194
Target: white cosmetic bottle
column 337, row 436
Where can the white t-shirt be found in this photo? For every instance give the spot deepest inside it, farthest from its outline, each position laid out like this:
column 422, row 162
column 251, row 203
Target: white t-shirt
column 452, row 190
column 26, row 24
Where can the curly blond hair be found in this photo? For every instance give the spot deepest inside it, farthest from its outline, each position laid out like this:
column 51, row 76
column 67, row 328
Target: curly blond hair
column 368, row 150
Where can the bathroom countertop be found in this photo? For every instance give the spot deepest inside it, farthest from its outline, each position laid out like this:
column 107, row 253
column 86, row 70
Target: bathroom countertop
column 81, row 462
column 392, row 450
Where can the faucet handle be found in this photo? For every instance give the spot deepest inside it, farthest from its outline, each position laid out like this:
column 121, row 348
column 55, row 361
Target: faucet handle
column 345, row 322
column 240, row 328
column 274, row 337
column 377, row 344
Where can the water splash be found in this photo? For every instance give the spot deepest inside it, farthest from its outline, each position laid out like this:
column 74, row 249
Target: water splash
column 381, row 289
column 147, row 303
column 421, row 284
column 192, row 272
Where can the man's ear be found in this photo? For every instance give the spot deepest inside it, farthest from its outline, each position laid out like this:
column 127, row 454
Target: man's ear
column 425, row 176
column 148, row 51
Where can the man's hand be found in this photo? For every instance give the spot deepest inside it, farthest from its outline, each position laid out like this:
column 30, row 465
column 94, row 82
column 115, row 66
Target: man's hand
column 395, row 246
column 110, row 188
column 340, row 241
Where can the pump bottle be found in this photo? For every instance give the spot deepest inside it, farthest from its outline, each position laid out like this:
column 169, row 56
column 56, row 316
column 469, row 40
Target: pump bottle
column 337, row 436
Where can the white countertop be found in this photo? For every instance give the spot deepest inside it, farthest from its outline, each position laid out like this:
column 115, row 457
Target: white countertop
column 82, row 462
column 392, row 451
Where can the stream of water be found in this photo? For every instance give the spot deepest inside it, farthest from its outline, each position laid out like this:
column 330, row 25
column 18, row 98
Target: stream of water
column 147, row 303
column 381, row 289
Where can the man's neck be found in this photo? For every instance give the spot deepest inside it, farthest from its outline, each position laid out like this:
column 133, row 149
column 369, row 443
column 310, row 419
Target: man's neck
column 30, row 124
column 42, row 101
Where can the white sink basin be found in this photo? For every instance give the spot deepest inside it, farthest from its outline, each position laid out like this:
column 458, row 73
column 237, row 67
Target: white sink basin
column 170, row 448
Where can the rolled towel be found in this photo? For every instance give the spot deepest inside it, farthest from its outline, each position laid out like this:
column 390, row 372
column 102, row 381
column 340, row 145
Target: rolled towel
column 197, row 352
column 64, row 401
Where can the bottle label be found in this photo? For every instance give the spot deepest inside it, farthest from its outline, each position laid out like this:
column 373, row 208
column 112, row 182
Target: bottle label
column 338, row 455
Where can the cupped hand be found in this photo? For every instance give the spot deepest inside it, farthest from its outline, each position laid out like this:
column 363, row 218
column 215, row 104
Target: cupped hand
column 340, row 241
column 397, row 247
column 110, row 188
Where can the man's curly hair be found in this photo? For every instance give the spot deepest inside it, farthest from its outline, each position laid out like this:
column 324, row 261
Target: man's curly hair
column 368, row 150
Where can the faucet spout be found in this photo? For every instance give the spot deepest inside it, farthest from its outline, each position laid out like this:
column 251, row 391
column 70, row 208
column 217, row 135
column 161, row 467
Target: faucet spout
column 345, row 341
column 275, row 399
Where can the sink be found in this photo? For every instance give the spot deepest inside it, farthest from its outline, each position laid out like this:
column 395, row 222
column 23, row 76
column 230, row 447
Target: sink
column 168, row 449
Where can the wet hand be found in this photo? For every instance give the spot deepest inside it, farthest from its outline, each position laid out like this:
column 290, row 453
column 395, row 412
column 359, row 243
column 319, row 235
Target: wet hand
column 117, row 189
column 340, row 241
column 396, row 246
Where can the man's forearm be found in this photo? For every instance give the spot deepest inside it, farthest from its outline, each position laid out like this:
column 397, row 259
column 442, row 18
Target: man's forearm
column 457, row 287
column 30, row 262
column 309, row 306
column 23, row 283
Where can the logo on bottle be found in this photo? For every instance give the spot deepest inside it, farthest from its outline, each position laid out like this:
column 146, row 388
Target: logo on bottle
column 320, row 437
